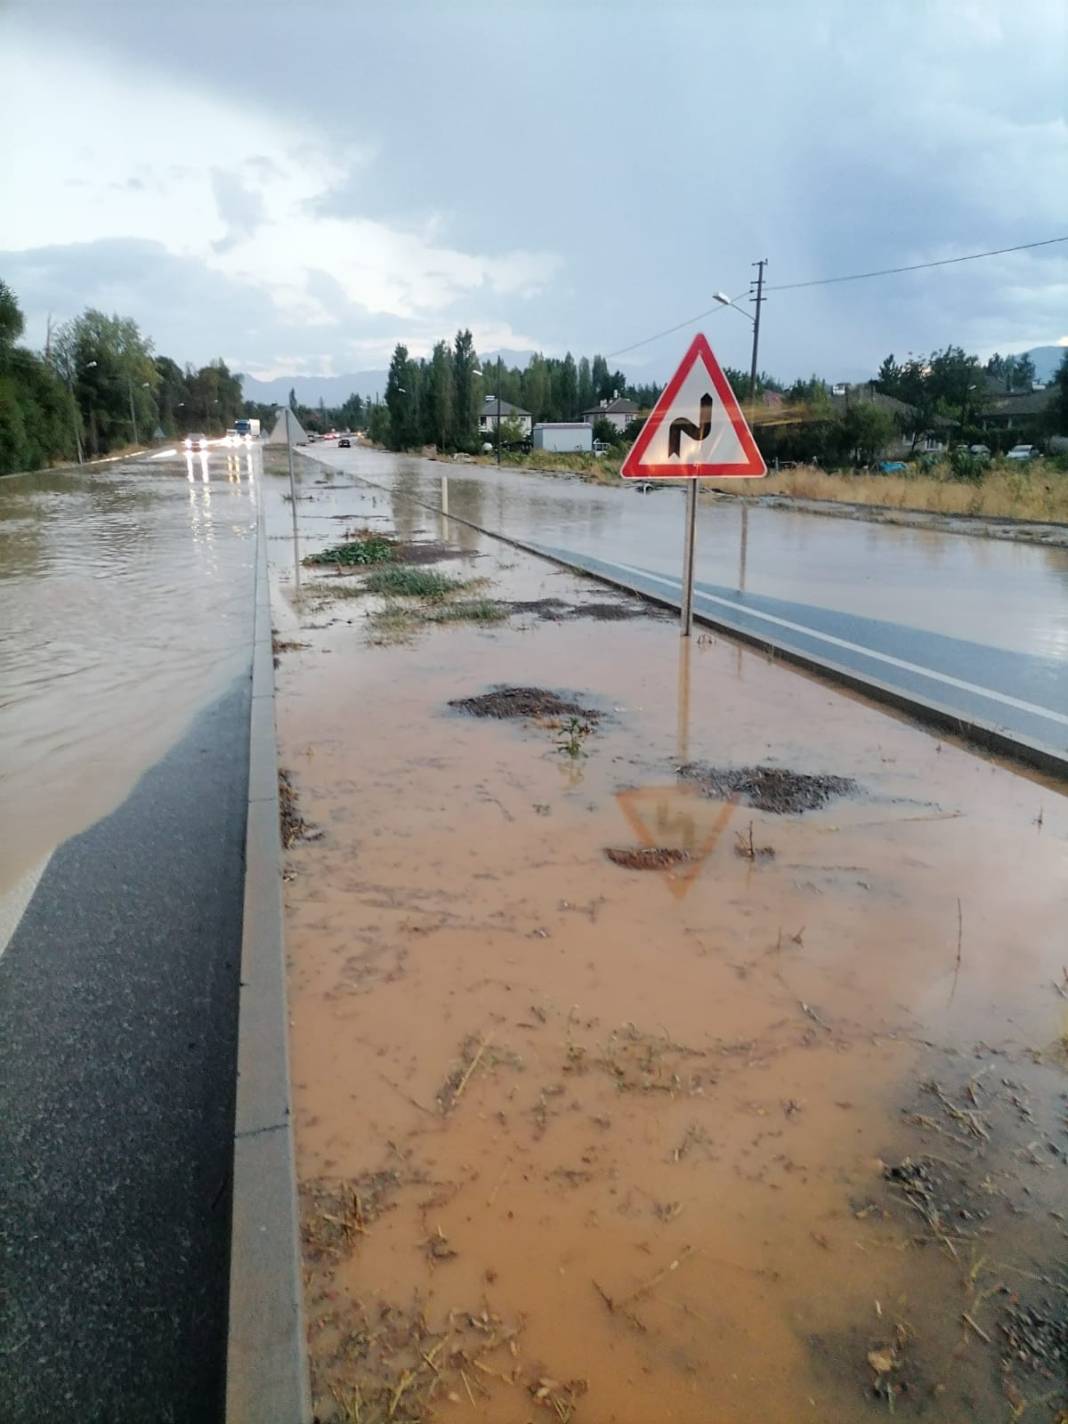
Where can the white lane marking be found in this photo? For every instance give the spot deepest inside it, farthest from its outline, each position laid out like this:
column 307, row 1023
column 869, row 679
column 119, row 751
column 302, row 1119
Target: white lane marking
column 13, row 903
column 888, row 658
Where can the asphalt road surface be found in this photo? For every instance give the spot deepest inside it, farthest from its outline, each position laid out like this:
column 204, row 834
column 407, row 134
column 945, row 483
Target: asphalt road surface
column 119, row 981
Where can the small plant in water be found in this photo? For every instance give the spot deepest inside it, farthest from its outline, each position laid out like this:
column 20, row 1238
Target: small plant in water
column 573, row 735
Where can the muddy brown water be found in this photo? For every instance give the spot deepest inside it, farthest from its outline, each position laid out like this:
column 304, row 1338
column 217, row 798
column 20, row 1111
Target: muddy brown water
column 1008, row 595
column 126, row 595
column 622, row 1147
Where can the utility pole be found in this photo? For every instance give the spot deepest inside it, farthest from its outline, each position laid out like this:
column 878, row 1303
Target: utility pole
column 758, row 299
column 76, row 419
column 133, row 414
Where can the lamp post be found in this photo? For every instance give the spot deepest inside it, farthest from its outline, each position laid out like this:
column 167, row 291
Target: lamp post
column 726, row 301
column 133, row 414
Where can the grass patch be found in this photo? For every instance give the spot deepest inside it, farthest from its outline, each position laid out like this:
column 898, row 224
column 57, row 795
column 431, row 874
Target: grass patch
column 403, row 581
column 365, row 547
column 470, row 610
column 334, row 589
column 398, row 622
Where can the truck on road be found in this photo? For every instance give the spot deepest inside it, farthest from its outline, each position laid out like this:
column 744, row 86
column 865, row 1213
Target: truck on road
column 247, row 429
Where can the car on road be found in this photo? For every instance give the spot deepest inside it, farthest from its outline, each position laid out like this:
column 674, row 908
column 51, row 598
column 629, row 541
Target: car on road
column 344, row 443
column 1023, row 452
column 983, row 450
column 891, row 467
column 196, row 442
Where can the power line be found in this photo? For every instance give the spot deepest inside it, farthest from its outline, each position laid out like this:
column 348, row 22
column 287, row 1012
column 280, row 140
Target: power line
column 918, row 266
column 851, row 277
column 688, row 322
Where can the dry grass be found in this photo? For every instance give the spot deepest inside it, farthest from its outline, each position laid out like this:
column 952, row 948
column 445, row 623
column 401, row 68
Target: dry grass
column 1037, row 491
column 1034, row 492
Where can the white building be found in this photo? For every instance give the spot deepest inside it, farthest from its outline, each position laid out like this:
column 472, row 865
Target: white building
column 487, row 416
column 566, row 437
column 619, row 412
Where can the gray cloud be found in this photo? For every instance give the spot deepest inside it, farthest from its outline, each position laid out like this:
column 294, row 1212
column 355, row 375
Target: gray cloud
column 240, row 206
column 659, row 149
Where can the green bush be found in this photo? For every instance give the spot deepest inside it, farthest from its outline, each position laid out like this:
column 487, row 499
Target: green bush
column 966, row 466
column 373, row 550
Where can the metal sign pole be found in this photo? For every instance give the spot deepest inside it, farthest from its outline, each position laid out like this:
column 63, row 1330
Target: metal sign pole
column 687, row 559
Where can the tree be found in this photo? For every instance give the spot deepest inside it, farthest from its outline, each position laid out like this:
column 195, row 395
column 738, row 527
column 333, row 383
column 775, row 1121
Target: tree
column 535, row 396
column 37, row 413
column 214, row 400
column 602, row 382
column 11, row 322
column 603, row 429
column 1057, row 411
column 866, row 430
column 568, row 387
column 1024, row 373
column 440, row 396
column 400, row 400
column 172, row 397
column 350, row 414
column 293, row 400
column 109, row 366
column 465, row 392
column 378, row 425
column 585, row 386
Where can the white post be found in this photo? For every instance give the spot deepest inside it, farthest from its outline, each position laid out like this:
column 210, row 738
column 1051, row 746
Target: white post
column 293, row 502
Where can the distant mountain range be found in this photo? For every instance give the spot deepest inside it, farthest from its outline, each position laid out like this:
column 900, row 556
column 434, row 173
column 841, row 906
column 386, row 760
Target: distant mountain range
column 331, row 390
column 334, row 390
column 1047, row 359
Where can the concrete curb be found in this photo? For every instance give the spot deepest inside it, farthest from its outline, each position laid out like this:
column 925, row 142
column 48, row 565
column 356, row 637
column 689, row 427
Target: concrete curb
column 266, row 1372
column 983, row 734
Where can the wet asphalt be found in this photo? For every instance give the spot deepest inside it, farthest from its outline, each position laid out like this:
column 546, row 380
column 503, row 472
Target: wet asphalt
column 118, row 1032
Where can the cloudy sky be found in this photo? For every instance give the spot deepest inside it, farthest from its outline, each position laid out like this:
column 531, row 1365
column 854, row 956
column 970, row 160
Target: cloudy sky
column 297, row 186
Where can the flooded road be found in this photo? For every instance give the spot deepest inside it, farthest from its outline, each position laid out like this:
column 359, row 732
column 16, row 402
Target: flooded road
column 1007, row 595
column 125, row 604
column 752, row 1136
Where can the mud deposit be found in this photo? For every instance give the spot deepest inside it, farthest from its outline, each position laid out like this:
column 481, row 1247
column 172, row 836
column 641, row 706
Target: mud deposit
column 555, row 610
column 730, row 1141
column 534, row 702
column 648, row 858
column 768, row 788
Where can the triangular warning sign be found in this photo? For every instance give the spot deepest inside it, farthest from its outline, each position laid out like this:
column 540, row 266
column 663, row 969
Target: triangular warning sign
column 696, row 428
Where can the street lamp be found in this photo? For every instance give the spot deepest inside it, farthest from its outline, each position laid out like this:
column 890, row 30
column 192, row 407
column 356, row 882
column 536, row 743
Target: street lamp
column 133, row 415
column 754, row 321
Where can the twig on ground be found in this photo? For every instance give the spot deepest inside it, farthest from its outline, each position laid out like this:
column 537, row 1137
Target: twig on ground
column 977, row 1328
column 470, row 1069
column 406, row 1096
column 960, row 938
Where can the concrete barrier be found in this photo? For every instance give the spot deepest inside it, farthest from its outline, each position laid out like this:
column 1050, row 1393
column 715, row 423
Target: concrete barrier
column 266, row 1374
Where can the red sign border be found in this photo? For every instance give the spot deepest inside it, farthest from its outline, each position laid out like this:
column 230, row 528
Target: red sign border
column 632, row 468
